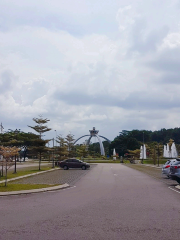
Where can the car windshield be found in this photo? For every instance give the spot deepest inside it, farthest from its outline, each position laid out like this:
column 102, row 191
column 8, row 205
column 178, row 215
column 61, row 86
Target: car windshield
column 176, row 163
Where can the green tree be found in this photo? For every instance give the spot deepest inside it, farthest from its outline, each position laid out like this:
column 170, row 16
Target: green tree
column 82, row 150
column 154, row 150
column 61, row 149
column 134, row 153
column 124, row 142
column 39, row 145
column 18, row 139
column 70, row 144
column 40, row 126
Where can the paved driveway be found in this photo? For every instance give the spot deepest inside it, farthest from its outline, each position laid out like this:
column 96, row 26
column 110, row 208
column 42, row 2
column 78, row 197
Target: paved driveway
column 58, row 176
column 111, row 201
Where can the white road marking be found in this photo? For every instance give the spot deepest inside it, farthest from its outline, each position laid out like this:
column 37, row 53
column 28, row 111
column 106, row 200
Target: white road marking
column 173, row 189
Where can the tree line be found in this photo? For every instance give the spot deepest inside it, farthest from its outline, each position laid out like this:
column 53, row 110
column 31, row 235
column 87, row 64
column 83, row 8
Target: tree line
column 132, row 140
column 17, row 145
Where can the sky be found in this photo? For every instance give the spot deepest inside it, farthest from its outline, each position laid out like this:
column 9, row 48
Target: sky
column 113, row 65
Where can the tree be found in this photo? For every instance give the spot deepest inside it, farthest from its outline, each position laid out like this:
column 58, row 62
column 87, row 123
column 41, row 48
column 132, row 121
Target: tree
column 61, row 149
column 7, row 162
column 39, row 145
column 70, row 144
column 155, row 151
column 82, row 150
column 134, row 153
column 40, row 127
column 94, row 149
column 124, row 142
column 19, row 139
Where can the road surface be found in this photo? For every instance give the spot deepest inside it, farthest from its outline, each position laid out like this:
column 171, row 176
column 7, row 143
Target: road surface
column 111, row 201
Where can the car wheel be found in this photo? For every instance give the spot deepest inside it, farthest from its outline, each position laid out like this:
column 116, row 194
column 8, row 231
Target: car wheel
column 65, row 167
column 178, row 180
column 83, row 167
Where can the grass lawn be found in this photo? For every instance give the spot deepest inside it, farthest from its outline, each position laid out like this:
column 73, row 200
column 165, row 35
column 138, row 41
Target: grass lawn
column 146, row 161
column 18, row 187
column 24, row 171
column 102, row 161
column 150, row 161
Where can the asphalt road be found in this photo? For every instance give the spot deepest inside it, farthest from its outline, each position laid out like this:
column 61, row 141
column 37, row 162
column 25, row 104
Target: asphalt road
column 111, row 201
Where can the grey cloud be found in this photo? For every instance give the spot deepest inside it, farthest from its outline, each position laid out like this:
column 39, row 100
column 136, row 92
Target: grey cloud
column 173, row 78
column 168, row 61
column 143, row 43
column 7, row 78
column 150, row 100
column 137, row 100
column 79, row 98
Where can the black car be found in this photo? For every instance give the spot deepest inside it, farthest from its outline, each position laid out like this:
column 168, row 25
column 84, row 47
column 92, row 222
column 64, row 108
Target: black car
column 73, row 163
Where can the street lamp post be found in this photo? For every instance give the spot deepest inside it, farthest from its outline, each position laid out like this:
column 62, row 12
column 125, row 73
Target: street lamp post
column 55, row 143
column 158, row 154
column 53, row 153
column 56, row 138
column 16, row 132
column 143, row 149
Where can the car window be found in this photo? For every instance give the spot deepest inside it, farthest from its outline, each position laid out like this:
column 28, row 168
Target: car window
column 69, row 160
column 75, row 160
column 176, row 163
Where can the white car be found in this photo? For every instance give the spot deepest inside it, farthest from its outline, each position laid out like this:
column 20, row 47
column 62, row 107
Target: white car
column 167, row 165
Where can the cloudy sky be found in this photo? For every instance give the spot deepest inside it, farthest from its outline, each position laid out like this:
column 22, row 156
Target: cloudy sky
column 112, row 65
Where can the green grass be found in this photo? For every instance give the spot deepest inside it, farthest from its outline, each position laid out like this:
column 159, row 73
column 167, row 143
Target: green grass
column 147, row 161
column 18, row 187
column 102, row 161
column 24, row 171
column 150, row 161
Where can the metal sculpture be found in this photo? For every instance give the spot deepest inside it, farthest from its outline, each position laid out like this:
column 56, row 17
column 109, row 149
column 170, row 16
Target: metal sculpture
column 94, row 133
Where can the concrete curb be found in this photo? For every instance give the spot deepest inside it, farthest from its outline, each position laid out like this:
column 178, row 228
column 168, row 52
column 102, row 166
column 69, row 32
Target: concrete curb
column 35, row 190
column 178, row 186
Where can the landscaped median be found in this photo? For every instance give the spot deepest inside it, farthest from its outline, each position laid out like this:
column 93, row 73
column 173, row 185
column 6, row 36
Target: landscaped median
column 32, row 189
column 13, row 188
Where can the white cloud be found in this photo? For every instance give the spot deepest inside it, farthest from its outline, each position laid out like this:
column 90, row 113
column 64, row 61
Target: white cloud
column 114, row 79
column 126, row 17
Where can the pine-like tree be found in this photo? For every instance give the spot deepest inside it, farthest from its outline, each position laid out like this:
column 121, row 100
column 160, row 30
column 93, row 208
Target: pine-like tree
column 70, row 144
column 61, row 149
column 39, row 145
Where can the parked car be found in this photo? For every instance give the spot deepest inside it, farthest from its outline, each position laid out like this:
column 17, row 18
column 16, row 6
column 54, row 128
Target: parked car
column 174, row 173
column 73, row 163
column 167, row 165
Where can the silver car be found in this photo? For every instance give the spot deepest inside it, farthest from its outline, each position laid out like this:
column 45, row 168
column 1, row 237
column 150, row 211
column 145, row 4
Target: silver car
column 167, row 165
column 174, row 173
